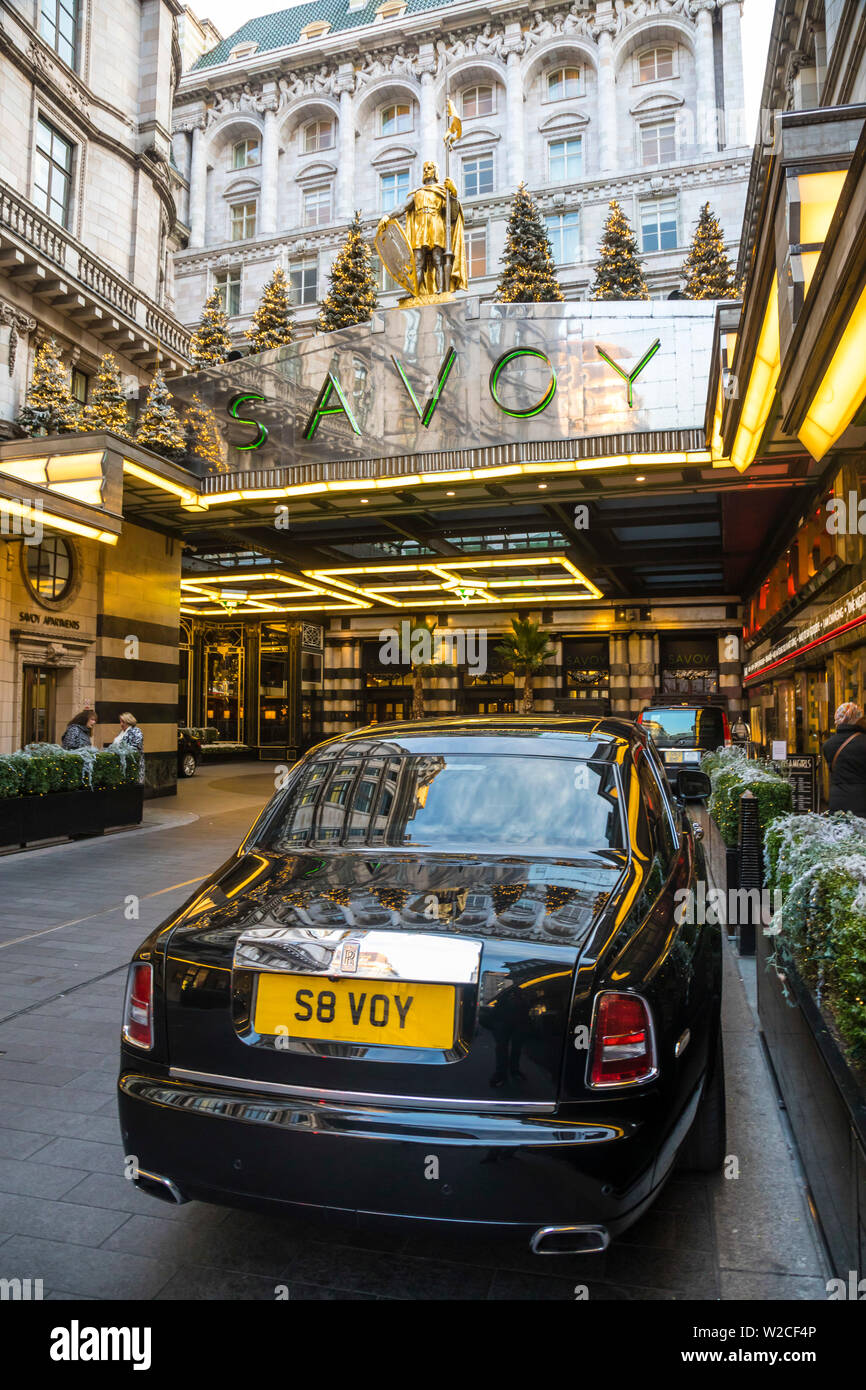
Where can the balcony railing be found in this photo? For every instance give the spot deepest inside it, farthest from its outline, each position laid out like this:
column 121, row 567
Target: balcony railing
column 44, row 237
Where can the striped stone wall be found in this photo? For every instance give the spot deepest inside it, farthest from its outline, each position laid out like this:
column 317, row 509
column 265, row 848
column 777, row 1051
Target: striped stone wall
column 137, row 645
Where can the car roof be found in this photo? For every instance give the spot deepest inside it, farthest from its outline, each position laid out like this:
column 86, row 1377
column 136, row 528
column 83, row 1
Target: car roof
column 564, row 733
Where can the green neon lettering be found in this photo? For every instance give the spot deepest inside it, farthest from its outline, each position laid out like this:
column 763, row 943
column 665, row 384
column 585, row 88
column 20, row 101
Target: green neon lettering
column 426, row 415
column 330, row 386
column 500, row 366
column 630, row 377
column 234, row 404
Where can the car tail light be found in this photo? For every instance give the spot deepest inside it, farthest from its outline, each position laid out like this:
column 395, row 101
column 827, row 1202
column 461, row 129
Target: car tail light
column 623, row 1046
column 138, row 1009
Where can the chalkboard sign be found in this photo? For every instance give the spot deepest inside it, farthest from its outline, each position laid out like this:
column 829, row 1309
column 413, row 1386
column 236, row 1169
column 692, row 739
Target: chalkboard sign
column 802, row 772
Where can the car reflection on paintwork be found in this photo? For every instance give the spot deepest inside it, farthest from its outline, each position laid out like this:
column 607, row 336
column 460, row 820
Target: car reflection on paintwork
column 523, row 914
column 322, row 912
column 478, row 910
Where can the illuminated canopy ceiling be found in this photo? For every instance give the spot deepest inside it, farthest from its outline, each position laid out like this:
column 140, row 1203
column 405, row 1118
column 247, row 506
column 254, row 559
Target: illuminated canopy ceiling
column 421, row 585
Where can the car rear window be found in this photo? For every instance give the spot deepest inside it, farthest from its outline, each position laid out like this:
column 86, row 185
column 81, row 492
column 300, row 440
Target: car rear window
column 684, row 728
column 456, row 802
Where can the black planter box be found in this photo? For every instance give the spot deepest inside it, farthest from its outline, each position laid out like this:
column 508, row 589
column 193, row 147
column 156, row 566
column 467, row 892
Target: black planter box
column 26, row 818
column 826, row 1103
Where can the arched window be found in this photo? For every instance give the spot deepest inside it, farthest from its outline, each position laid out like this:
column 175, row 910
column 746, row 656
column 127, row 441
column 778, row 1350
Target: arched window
column 318, row 135
column 245, row 154
column 564, row 82
column 478, row 101
column 394, row 120
column 655, row 63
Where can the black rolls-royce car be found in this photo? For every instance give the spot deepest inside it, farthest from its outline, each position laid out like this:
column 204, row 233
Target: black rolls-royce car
column 443, row 978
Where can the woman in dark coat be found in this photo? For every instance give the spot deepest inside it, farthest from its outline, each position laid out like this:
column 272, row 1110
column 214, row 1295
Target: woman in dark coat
column 79, row 731
column 845, row 755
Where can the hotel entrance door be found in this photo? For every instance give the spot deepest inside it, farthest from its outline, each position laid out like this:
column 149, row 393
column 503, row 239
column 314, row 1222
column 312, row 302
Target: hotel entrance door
column 38, row 705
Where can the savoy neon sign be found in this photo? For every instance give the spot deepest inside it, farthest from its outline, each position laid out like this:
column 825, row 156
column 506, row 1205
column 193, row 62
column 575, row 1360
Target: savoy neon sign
column 332, row 399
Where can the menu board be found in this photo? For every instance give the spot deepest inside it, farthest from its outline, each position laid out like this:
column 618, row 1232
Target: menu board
column 801, row 770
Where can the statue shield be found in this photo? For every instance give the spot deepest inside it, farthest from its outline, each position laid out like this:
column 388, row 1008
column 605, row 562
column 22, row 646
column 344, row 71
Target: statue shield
column 397, row 256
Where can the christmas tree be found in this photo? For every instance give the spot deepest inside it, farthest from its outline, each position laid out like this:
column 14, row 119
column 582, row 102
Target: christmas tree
column 210, row 343
column 159, row 428
column 619, row 273
column 272, row 325
column 529, row 273
column 709, row 273
column 352, row 295
column 202, row 433
column 107, row 408
column 48, row 407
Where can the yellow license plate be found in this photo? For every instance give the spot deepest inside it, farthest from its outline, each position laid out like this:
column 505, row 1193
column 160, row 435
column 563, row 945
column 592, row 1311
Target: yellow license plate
column 673, row 756
column 355, row 1011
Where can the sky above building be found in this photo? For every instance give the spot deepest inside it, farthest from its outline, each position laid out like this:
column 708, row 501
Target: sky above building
column 228, row 16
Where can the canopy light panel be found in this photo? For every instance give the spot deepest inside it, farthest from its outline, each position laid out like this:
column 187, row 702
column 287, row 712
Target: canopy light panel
column 255, row 591
column 78, row 476
column 842, row 388
column 458, row 582
column 761, row 387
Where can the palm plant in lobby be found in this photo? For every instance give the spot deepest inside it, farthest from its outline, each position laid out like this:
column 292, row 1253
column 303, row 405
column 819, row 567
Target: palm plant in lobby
column 524, row 651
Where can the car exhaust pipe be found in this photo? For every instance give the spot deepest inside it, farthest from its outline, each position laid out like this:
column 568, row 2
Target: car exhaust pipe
column 155, row 1185
column 570, row 1240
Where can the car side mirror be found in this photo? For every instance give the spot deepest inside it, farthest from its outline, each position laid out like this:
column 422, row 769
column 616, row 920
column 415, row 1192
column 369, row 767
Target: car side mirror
column 693, row 785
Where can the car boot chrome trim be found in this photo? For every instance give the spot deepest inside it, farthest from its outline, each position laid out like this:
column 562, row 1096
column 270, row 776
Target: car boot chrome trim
column 242, row 1083
column 373, row 1122
column 359, row 954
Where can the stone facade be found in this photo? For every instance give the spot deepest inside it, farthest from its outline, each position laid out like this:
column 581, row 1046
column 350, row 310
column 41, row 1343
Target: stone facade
column 88, row 213
column 639, row 100
column 109, row 642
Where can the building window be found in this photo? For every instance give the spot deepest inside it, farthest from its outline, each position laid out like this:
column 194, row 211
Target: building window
column 52, row 179
column 478, row 176
column 245, row 154
column 565, row 82
column 658, row 225
column 565, row 160
column 304, row 281
column 58, row 25
column 318, row 135
column 563, row 228
column 478, row 101
column 395, row 120
column 317, row 206
column 80, row 386
column 393, row 189
column 476, row 252
column 49, row 568
column 655, row 64
column 658, row 143
column 384, row 280
column 228, row 286
column 243, row 221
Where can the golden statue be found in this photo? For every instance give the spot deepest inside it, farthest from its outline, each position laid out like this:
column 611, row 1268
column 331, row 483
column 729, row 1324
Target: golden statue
column 428, row 259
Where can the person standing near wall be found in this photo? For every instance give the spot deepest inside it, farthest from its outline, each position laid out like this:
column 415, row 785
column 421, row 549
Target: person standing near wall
column 130, row 736
column 845, row 754
column 79, row 731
